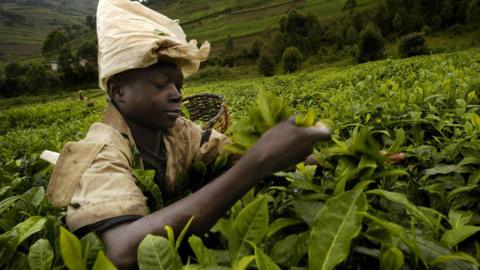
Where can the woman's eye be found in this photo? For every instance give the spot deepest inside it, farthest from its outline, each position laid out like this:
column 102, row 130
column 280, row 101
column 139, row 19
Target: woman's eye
column 160, row 86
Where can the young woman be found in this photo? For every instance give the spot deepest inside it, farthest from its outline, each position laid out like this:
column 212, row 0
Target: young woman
column 142, row 129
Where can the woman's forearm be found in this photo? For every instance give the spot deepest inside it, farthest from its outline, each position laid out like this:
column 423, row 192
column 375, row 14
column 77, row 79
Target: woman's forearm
column 206, row 205
column 280, row 147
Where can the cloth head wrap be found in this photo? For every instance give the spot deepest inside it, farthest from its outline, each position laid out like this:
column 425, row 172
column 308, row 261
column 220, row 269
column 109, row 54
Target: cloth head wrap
column 132, row 36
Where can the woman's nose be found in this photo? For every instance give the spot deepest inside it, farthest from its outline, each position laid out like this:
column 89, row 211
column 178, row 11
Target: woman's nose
column 174, row 93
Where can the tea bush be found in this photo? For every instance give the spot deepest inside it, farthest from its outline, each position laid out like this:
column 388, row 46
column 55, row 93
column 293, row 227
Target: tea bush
column 356, row 210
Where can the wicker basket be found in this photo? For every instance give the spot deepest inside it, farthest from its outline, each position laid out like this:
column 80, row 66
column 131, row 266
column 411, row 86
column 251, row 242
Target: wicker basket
column 210, row 109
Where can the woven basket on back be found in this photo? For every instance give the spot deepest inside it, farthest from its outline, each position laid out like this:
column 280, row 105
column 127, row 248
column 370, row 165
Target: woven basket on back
column 210, row 109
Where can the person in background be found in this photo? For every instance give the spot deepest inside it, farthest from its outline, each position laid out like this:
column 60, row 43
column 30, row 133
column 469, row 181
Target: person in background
column 143, row 60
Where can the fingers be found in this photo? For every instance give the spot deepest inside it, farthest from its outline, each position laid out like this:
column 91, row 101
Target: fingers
column 320, row 131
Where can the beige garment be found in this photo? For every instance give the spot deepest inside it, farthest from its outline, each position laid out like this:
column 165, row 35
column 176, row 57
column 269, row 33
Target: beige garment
column 132, row 36
column 93, row 177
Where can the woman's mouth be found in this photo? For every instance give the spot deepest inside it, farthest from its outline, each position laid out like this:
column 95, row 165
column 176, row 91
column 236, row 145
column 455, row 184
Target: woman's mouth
column 173, row 113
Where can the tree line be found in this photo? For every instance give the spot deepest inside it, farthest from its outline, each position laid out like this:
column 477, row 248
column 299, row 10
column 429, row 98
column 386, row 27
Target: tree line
column 358, row 33
column 68, row 62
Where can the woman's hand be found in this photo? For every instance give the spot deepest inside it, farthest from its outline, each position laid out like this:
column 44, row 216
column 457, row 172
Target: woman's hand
column 286, row 144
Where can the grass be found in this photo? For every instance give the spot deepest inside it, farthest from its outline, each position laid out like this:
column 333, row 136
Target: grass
column 20, row 101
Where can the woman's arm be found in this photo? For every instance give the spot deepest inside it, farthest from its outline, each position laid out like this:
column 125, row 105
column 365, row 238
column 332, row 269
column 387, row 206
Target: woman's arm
column 280, row 147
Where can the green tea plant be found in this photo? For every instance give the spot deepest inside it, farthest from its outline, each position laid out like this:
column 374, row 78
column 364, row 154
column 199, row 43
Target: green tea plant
column 358, row 209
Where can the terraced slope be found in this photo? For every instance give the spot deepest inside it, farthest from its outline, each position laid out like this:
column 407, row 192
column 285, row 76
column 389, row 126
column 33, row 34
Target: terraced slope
column 24, row 24
column 214, row 20
column 201, row 19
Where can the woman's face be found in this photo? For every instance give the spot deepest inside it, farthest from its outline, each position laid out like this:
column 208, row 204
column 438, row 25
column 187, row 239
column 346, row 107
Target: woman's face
column 151, row 97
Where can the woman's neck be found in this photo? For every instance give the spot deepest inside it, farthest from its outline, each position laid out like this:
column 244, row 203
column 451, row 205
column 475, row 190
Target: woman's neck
column 146, row 137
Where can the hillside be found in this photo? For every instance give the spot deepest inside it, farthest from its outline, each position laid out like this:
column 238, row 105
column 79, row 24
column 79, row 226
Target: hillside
column 214, row 20
column 24, row 24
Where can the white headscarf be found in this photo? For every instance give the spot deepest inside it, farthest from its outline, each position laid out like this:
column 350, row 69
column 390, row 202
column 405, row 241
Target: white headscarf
column 131, row 36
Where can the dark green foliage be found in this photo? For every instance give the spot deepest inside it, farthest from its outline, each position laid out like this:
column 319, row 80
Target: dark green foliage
column 90, row 22
column 228, row 60
column 412, row 44
column 255, row 49
column 426, row 30
column 397, row 23
column 88, row 50
column 291, row 60
column 456, row 30
column 228, row 55
column 334, row 36
column 278, row 45
column 65, row 60
column 266, row 64
column 448, row 13
column 229, row 46
column 371, row 45
column 399, row 17
column 303, row 32
column 351, row 36
column 213, row 61
column 14, row 82
column 37, row 78
column 358, row 19
column 350, row 5
column 54, row 42
column 11, row 87
column 473, row 12
column 14, row 69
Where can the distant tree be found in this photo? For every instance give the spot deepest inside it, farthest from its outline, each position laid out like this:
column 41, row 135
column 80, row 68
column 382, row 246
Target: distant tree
column 14, row 69
column 88, row 50
column 357, row 21
column 37, row 78
column 350, row 5
column 351, row 36
column 255, row 49
column 12, row 87
column 397, row 23
column 291, row 60
column 65, row 60
column 229, row 46
column 456, row 30
column 460, row 11
column 266, row 65
column 448, row 13
column 414, row 19
column 430, row 11
column 67, row 65
column 14, row 83
column 334, row 36
column 383, row 16
column 412, row 44
column 278, row 45
column 296, row 29
column 90, row 22
column 293, row 23
column 55, row 42
column 473, row 12
column 427, row 30
column 315, row 32
column 371, row 45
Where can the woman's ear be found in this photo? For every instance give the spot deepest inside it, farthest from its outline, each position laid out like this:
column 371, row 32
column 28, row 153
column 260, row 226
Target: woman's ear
column 115, row 91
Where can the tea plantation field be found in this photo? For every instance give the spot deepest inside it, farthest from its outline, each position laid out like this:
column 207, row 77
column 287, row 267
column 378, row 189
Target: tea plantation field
column 357, row 210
